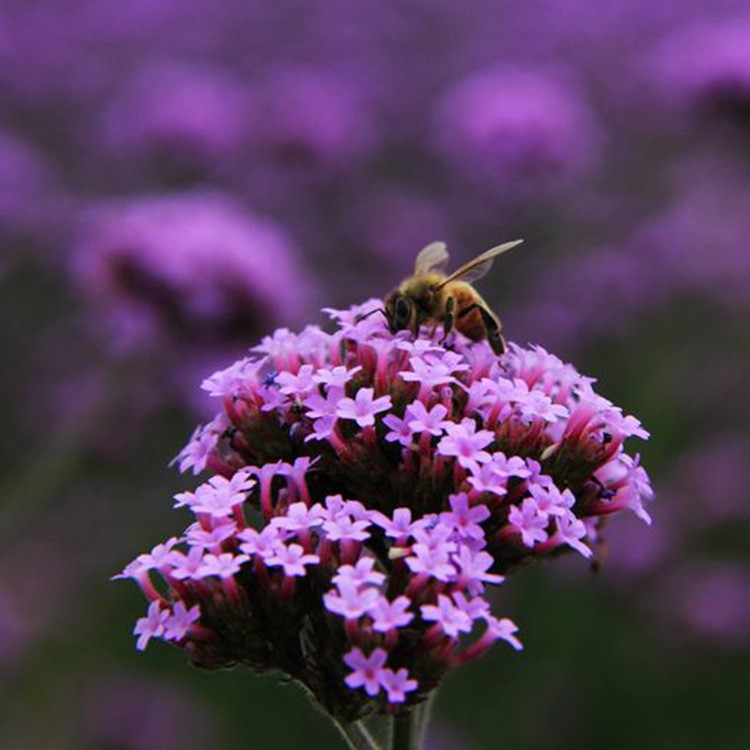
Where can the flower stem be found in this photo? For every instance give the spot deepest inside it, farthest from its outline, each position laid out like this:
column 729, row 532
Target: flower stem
column 405, row 735
column 357, row 736
column 422, row 716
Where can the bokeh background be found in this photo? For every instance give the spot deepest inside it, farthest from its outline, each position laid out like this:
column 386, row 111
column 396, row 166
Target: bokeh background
column 178, row 177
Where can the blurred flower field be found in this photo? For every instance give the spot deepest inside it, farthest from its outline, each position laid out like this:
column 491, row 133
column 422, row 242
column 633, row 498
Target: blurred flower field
column 179, row 179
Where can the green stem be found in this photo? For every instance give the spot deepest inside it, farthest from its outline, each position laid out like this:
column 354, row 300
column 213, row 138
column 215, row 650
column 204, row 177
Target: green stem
column 405, row 735
column 357, row 736
column 422, row 716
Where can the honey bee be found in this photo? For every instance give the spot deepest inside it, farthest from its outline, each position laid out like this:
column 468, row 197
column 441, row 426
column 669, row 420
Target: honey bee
column 432, row 296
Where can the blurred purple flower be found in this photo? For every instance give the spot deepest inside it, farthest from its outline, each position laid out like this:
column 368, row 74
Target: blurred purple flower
column 26, row 186
column 630, row 554
column 509, row 128
column 390, row 223
column 700, row 240
column 704, row 67
column 314, row 121
column 590, row 297
column 41, row 64
column 139, row 713
column 181, row 115
column 56, row 55
column 709, row 602
column 701, row 505
column 693, row 246
column 194, row 265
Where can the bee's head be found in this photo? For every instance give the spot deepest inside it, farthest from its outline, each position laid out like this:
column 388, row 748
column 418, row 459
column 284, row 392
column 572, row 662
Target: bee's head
column 400, row 312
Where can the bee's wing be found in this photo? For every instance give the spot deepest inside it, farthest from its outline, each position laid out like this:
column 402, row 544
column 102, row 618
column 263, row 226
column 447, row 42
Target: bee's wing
column 431, row 258
column 478, row 267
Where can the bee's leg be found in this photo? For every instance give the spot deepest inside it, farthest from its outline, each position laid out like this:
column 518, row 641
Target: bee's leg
column 449, row 319
column 497, row 342
column 494, row 337
column 473, row 306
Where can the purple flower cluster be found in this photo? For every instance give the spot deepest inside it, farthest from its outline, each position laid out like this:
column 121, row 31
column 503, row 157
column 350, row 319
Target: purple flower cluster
column 179, row 117
column 366, row 491
column 657, row 263
column 510, row 126
column 704, row 67
column 188, row 264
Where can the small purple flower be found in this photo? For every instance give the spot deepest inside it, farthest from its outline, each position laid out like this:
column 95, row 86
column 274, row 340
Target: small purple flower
column 335, row 508
column 503, row 629
column 299, row 517
column 387, row 615
column 367, row 671
column 488, row 478
column 299, row 384
column 400, row 430
column 161, row 556
column 464, row 519
column 323, row 428
column 401, row 523
column 179, row 621
column 397, row 684
column 363, row 408
column 529, row 522
column 466, row 443
column 429, row 372
column 188, row 566
column 224, row 565
column 432, row 562
column 344, row 527
column 292, row 558
column 473, row 569
column 335, row 377
column 476, row 608
column 537, row 405
column 571, row 531
column 322, row 406
column 151, row 626
column 550, row 500
column 262, row 543
column 452, row 619
column 360, row 574
column 509, row 466
column 350, row 601
column 219, row 496
column 231, row 381
column 222, row 530
column 422, row 420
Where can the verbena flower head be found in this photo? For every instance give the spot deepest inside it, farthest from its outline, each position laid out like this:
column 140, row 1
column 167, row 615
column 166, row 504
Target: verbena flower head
column 357, row 562
column 178, row 115
column 187, row 263
column 505, row 125
column 705, row 67
column 314, row 120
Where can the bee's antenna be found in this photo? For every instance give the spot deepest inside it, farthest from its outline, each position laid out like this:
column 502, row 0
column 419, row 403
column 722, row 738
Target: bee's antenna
column 362, row 317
